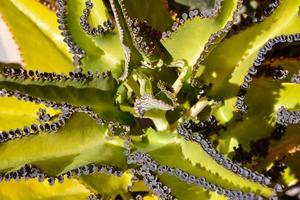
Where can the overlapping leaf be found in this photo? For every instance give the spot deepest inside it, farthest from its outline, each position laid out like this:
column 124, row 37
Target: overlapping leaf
column 102, row 52
column 32, row 189
column 37, row 35
column 81, row 141
column 228, row 63
column 162, row 145
column 78, row 93
column 194, row 34
column 107, row 185
column 16, row 114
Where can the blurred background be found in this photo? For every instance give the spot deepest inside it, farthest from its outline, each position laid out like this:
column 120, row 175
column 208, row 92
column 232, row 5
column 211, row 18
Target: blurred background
column 8, row 48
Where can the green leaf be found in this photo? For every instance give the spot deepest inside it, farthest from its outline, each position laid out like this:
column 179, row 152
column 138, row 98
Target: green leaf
column 227, row 65
column 132, row 57
column 34, row 28
column 262, row 115
column 260, row 119
column 288, row 99
column 182, row 44
column 34, row 190
column 77, row 93
column 168, row 149
column 176, row 186
column 102, row 52
column 16, row 114
column 146, row 105
column 107, row 185
column 99, row 13
column 80, row 142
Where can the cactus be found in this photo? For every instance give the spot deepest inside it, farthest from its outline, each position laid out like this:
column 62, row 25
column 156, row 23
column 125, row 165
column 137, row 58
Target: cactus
column 135, row 99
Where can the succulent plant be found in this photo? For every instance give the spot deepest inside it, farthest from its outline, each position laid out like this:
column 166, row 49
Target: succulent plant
column 150, row 99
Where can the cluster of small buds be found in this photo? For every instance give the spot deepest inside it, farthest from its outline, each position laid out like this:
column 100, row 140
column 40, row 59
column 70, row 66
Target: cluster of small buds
column 56, row 124
column 142, row 27
column 61, row 14
column 277, row 169
column 245, row 22
column 143, row 35
column 260, row 147
column 77, row 75
column 33, row 129
column 118, row 129
column 207, row 127
column 115, row 127
column 277, row 74
column 296, row 78
column 207, row 13
column 95, row 197
column 42, row 115
column 240, row 104
column 241, row 156
column 86, row 170
column 127, row 146
column 100, row 30
column 49, row 3
column 285, row 117
column 268, row 46
column 266, row 70
column 216, row 36
column 16, row 73
column 278, row 132
column 148, row 166
column 163, row 192
column 26, row 97
column 26, row 172
column 31, row 172
column 278, row 188
column 148, row 102
column 267, row 10
column 261, row 12
column 16, row 133
column 221, row 159
column 168, row 91
column 92, row 168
